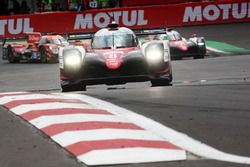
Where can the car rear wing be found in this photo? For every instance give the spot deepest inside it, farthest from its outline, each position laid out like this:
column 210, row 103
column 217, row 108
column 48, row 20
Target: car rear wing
column 28, row 38
column 79, row 37
column 145, row 35
column 145, row 32
column 9, row 41
column 6, row 43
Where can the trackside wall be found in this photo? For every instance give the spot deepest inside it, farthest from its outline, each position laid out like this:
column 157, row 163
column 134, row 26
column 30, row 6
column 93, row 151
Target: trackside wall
column 197, row 13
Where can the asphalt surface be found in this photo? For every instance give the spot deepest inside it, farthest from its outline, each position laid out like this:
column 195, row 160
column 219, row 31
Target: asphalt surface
column 209, row 101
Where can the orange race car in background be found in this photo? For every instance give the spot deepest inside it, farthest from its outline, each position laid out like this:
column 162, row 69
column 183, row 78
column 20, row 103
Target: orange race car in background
column 34, row 47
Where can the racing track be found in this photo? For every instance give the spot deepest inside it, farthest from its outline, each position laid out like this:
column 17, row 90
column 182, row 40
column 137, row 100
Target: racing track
column 209, row 101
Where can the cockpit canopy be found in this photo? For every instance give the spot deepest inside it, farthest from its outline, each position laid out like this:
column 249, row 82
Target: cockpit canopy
column 54, row 39
column 172, row 36
column 109, row 38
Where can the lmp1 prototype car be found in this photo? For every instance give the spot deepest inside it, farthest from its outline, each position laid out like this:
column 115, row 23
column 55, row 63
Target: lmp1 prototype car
column 115, row 56
column 180, row 47
column 33, row 48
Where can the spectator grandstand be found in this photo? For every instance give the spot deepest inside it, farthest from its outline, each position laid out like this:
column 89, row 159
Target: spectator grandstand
column 11, row 7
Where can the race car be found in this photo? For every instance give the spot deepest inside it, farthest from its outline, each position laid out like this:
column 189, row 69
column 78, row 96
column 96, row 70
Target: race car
column 33, row 48
column 114, row 56
column 180, row 47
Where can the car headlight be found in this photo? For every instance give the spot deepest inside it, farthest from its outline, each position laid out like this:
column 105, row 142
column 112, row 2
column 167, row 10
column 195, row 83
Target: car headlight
column 72, row 59
column 154, row 56
column 154, row 53
column 53, row 49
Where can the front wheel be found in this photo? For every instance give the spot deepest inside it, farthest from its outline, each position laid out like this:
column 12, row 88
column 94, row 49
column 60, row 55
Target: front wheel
column 162, row 81
column 73, row 87
column 43, row 54
column 199, row 57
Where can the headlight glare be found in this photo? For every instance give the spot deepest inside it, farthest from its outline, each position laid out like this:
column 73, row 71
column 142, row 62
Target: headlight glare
column 72, row 59
column 154, row 56
column 154, row 53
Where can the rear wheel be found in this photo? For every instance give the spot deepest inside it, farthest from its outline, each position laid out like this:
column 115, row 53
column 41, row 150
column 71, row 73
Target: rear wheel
column 43, row 55
column 11, row 57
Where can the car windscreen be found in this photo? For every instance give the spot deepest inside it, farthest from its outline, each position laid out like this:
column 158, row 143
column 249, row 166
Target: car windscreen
column 113, row 40
column 58, row 41
column 177, row 36
column 43, row 41
column 170, row 36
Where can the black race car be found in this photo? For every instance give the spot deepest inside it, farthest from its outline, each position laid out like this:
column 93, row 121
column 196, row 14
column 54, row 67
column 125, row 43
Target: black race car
column 114, row 56
column 180, row 47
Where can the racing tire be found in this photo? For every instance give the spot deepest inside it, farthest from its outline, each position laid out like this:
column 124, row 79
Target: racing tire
column 162, row 82
column 54, row 61
column 11, row 57
column 73, row 87
column 199, row 56
column 43, row 54
column 175, row 57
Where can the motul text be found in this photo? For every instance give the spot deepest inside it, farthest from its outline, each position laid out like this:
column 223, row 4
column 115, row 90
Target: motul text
column 215, row 12
column 15, row 26
column 102, row 19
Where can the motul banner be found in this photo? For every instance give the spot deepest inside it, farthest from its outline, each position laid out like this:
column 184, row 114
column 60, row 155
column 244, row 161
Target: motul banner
column 134, row 17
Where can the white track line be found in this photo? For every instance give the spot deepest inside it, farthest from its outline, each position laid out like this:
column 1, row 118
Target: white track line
column 133, row 155
column 216, row 50
column 8, row 99
column 7, row 93
column 177, row 138
column 45, row 121
column 68, row 138
column 21, row 109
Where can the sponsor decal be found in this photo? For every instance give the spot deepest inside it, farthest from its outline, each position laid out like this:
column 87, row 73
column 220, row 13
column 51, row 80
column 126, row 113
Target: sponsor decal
column 102, row 19
column 15, row 26
column 214, row 12
column 93, row 4
column 113, row 59
column 33, row 37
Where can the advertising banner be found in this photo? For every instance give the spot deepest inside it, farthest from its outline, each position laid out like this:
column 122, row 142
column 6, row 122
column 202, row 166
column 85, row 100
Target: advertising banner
column 132, row 17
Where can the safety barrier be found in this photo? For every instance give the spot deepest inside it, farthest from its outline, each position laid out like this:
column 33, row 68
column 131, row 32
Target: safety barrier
column 196, row 13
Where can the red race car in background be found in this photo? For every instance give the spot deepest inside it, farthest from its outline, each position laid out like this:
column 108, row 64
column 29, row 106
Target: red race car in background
column 114, row 56
column 34, row 47
column 180, row 47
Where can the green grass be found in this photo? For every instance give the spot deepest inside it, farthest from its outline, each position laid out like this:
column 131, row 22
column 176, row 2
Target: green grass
column 229, row 48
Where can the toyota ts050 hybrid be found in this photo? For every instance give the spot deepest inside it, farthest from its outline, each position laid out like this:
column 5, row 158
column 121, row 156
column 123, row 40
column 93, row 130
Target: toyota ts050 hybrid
column 114, row 56
column 34, row 47
column 180, row 47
